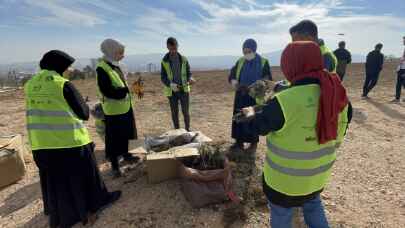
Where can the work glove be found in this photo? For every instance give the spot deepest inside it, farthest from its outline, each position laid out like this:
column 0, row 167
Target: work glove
column 248, row 112
column 174, row 87
column 234, row 84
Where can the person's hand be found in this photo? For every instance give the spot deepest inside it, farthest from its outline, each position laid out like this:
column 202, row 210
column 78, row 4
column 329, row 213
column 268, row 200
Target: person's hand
column 174, row 87
column 248, row 111
column 191, row 81
column 234, row 84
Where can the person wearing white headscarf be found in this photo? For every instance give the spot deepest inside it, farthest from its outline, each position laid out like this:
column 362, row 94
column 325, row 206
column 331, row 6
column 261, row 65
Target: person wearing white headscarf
column 119, row 128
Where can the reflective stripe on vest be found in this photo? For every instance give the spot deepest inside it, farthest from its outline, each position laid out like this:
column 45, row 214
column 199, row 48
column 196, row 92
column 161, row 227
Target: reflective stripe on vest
column 326, row 51
column 299, row 172
column 114, row 106
column 167, row 90
column 241, row 61
column 301, row 155
column 55, row 127
column 51, row 123
column 296, row 164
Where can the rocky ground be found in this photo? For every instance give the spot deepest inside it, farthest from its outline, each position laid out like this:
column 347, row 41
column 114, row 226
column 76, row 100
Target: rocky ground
column 367, row 188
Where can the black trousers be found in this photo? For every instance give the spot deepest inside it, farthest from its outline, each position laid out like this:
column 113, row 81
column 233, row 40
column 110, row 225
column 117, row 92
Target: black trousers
column 184, row 100
column 400, row 84
column 341, row 75
column 370, row 82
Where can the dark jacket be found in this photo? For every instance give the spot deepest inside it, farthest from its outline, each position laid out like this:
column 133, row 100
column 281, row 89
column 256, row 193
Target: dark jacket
column 163, row 73
column 343, row 55
column 374, row 62
column 266, row 72
column 272, row 119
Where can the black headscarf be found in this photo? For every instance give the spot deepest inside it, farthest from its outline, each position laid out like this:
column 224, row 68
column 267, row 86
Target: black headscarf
column 56, row 60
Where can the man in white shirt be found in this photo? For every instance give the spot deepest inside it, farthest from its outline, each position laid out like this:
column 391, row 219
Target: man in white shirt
column 400, row 76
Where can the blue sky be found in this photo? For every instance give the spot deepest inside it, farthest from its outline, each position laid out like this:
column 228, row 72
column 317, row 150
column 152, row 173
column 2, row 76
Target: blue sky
column 29, row 28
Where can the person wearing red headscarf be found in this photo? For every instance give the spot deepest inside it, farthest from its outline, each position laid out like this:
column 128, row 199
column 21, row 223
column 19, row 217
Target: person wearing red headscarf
column 304, row 124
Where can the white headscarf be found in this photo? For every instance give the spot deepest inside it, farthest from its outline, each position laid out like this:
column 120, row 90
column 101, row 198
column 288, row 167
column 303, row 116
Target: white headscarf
column 110, row 48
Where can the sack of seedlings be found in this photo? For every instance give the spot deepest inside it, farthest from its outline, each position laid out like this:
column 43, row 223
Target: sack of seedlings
column 206, row 179
column 12, row 165
column 174, row 139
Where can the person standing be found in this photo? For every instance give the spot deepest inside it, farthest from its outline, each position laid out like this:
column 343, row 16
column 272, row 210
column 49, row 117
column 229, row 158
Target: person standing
column 116, row 102
column 400, row 76
column 176, row 78
column 72, row 188
column 374, row 65
column 344, row 58
column 307, row 30
column 304, row 124
column 247, row 70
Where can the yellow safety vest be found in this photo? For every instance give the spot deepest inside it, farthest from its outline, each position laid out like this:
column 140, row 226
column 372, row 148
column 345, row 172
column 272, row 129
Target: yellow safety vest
column 296, row 164
column 114, row 106
column 51, row 123
column 167, row 90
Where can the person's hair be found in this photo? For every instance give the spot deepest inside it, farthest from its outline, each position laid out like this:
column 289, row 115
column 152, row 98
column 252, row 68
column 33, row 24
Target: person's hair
column 305, row 27
column 342, row 44
column 378, row 46
column 171, row 41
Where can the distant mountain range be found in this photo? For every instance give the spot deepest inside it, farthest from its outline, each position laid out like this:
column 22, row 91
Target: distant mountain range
column 140, row 62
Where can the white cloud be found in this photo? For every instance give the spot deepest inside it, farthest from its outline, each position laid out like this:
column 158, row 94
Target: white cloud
column 223, row 26
column 60, row 14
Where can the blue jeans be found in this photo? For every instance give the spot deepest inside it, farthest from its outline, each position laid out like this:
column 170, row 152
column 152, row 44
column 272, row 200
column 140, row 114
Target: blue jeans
column 314, row 215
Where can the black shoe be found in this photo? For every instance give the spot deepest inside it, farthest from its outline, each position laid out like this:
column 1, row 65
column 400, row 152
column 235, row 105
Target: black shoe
column 395, row 101
column 237, row 146
column 252, row 148
column 129, row 158
column 116, row 173
column 114, row 197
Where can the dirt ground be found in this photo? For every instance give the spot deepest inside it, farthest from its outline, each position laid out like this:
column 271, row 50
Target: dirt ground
column 367, row 188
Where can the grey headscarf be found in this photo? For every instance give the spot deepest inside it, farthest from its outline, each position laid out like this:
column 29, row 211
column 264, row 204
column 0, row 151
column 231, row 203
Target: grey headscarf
column 110, row 48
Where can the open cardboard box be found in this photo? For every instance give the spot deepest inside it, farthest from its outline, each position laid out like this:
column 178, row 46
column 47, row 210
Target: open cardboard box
column 12, row 166
column 164, row 165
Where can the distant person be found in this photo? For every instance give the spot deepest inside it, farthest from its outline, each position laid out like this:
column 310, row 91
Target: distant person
column 306, row 30
column 304, row 125
column 176, row 78
column 247, row 70
column 72, row 188
column 116, row 101
column 374, row 65
column 400, row 76
column 344, row 58
column 329, row 59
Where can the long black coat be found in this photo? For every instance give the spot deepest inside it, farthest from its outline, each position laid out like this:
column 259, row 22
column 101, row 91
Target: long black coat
column 118, row 128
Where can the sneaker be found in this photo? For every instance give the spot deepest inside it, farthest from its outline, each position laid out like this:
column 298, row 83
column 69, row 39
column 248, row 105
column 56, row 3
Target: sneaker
column 395, row 101
column 365, row 97
column 129, row 158
column 252, row 148
column 116, row 173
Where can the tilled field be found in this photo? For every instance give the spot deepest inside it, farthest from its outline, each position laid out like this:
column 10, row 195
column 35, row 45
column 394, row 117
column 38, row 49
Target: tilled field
column 367, row 188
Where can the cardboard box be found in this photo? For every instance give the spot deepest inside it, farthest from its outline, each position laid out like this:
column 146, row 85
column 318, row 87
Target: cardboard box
column 164, row 165
column 12, row 166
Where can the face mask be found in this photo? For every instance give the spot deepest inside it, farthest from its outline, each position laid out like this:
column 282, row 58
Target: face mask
column 68, row 72
column 250, row 56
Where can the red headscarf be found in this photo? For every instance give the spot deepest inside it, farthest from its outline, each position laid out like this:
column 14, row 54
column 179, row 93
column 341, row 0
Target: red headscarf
column 303, row 59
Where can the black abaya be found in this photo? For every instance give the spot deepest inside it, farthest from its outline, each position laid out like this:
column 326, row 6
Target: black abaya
column 71, row 184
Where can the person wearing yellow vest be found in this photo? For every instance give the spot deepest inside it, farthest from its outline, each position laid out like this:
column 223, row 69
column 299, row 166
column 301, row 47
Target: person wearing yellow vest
column 176, row 78
column 307, row 30
column 72, row 188
column 116, row 102
column 304, row 124
column 247, row 70
column 329, row 59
